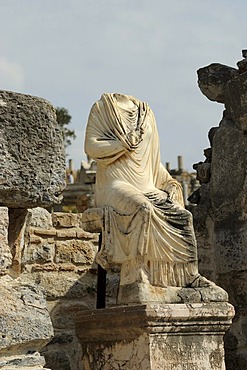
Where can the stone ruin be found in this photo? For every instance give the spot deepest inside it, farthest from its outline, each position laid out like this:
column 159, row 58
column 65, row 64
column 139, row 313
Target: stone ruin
column 48, row 260
column 220, row 216
column 166, row 313
column 47, row 267
column 31, row 175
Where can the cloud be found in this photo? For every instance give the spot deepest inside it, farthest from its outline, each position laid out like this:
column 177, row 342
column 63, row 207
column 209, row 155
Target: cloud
column 11, row 75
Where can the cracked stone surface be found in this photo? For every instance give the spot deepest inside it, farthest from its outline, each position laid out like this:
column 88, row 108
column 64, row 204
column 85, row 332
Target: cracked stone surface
column 220, row 217
column 32, row 168
column 24, row 319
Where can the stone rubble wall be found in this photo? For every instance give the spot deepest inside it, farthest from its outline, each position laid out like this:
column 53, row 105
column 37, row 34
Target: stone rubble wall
column 32, row 173
column 220, row 217
column 56, row 257
column 59, row 245
column 24, row 319
column 59, row 256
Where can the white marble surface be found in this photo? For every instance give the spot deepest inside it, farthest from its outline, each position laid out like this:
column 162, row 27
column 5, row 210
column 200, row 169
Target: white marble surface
column 146, row 228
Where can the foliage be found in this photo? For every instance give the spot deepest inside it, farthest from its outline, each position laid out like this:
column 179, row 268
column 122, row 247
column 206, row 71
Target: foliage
column 63, row 119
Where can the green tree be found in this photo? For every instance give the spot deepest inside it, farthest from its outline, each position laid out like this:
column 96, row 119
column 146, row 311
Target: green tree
column 63, row 119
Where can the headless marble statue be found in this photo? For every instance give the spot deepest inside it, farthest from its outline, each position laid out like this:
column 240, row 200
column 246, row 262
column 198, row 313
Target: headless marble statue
column 147, row 230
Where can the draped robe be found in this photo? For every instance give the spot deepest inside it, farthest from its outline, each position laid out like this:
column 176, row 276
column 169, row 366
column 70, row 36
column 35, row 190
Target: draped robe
column 142, row 223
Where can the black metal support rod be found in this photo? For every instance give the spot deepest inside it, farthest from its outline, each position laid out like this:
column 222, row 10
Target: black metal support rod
column 101, row 282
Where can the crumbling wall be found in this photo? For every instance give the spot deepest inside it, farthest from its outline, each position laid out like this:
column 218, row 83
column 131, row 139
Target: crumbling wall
column 39, row 253
column 59, row 256
column 221, row 212
column 32, row 173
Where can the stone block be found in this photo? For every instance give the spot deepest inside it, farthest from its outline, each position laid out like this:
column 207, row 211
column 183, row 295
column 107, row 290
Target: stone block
column 24, row 318
column 60, row 219
column 32, row 169
column 35, row 239
column 66, row 233
column 64, row 352
column 66, row 267
column 76, row 251
column 139, row 293
column 213, row 79
column 39, row 218
column 92, row 220
column 43, row 252
column 44, row 232
column 42, row 267
column 82, row 234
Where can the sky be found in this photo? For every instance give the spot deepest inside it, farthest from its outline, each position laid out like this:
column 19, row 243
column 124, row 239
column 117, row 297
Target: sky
column 70, row 52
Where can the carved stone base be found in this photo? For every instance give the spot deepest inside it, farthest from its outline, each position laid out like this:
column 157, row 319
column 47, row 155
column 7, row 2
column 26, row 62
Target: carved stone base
column 155, row 336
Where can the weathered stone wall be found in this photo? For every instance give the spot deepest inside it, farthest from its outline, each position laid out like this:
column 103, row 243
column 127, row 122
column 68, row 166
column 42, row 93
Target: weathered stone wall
column 32, row 173
column 24, row 319
column 221, row 214
column 25, row 324
column 58, row 256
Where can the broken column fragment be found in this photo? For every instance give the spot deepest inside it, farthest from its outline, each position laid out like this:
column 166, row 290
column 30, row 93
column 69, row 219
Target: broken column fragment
column 32, row 168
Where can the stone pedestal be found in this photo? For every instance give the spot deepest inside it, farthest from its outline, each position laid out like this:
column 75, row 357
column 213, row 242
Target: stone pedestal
column 155, row 336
